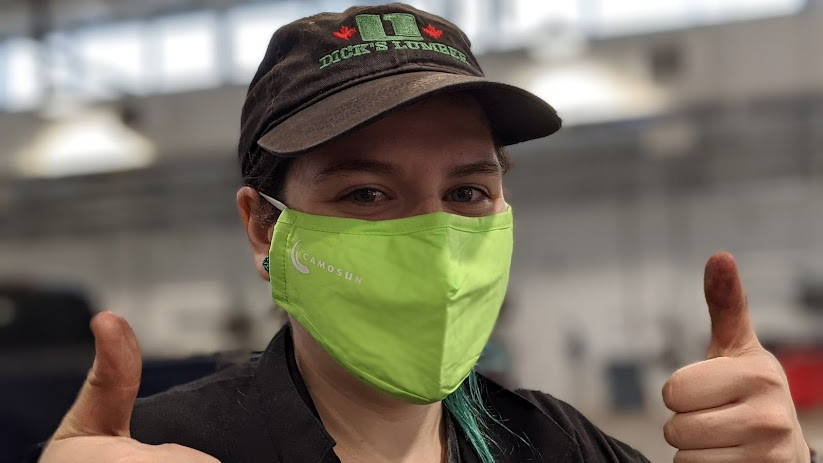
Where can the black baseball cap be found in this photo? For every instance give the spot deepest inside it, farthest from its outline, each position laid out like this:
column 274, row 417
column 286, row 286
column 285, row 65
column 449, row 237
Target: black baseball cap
column 327, row 75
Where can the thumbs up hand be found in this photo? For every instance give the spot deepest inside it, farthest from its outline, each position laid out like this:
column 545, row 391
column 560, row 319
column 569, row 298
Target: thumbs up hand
column 96, row 428
column 735, row 406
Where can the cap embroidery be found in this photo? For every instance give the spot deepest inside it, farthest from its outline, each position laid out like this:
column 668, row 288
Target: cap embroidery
column 372, row 28
column 345, row 32
column 405, row 35
column 432, row 31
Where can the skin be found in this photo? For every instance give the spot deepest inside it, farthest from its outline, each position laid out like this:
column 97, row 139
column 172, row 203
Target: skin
column 438, row 156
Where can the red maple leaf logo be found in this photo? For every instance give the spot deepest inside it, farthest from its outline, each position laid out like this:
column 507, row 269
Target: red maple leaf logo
column 432, row 31
column 345, row 32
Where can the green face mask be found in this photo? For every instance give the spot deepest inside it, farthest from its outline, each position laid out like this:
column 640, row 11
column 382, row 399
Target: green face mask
column 405, row 305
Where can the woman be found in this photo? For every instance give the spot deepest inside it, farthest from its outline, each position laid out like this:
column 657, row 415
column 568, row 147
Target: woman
column 372, row 152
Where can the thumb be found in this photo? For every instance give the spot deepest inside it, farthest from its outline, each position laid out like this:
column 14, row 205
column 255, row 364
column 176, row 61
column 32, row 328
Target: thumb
column 106, row 399
column 732, row 332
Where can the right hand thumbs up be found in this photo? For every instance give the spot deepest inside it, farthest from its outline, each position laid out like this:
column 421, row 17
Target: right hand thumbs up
column 103, row 406
column 96, row 427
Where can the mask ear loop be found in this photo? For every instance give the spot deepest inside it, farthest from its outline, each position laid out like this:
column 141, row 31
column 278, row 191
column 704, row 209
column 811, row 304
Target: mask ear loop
column 282, row 207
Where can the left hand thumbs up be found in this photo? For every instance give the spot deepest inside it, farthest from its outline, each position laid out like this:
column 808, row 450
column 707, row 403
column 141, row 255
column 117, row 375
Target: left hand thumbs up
column 735, row 406
column 732, row 332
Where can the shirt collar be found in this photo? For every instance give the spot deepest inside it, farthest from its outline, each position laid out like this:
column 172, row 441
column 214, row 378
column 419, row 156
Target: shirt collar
column 295, row 431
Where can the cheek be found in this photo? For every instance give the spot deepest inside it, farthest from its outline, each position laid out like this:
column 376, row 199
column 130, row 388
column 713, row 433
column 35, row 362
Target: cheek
column 500, row 205
column 500, row 202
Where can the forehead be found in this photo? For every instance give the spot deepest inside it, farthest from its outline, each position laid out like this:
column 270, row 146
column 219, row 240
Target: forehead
column 442, row 130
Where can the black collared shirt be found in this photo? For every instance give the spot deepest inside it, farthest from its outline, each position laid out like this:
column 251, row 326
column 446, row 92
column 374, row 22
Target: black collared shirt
column 261, row 412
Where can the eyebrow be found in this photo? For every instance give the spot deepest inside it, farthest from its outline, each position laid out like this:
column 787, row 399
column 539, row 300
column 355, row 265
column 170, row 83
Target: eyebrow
column 384, row 168
column 358, row 165
column 480, row 167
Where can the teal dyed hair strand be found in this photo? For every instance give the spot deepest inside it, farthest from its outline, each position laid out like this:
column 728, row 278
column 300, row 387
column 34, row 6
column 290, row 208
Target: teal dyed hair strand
column 467, row 408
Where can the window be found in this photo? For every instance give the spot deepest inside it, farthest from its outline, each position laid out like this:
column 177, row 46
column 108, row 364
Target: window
column 185, row 52
column 251, row 28
column 203, row 49
column 530, row 15
column 23, row 81
column 614, row 17
column 728, row 10
column 111, row 58
column 619, row 17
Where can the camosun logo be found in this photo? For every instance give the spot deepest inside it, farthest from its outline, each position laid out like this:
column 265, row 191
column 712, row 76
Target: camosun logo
column 320, row 264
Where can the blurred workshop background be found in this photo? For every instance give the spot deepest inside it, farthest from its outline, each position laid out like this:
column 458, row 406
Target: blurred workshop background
column 691, row 126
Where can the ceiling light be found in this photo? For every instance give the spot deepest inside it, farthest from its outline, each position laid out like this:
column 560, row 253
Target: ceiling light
column 91, row 141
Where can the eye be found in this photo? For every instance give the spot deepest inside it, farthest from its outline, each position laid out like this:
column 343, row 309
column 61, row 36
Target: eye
column 366, row 195
column 465, row 194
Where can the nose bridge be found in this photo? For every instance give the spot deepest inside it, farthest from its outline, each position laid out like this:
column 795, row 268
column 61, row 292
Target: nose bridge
column 423, row 191
column 426, row 205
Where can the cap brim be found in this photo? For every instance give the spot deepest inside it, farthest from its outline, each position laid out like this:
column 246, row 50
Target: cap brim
column 515, row 115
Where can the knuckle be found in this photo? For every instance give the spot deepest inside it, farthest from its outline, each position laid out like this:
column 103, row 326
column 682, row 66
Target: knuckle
column 773, row 421
column 765, row 378
column 777, row 373
column 670, row 392
column 771, row 379
column 682, row 457
column 671, row 433
column 681, row 384
column 667, row 393
column 72, row 426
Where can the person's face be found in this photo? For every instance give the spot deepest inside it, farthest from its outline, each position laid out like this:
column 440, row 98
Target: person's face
column 437, row 155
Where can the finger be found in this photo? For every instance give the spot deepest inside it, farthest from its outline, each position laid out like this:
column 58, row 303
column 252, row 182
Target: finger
column 106, row 399
column 724, row 455
column 732, row 332
column 719, row 427
column 712, row 383
column 106, row 449
column 90, row 449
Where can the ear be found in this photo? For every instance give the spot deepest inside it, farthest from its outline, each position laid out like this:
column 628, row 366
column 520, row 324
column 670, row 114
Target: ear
column 248, row 203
